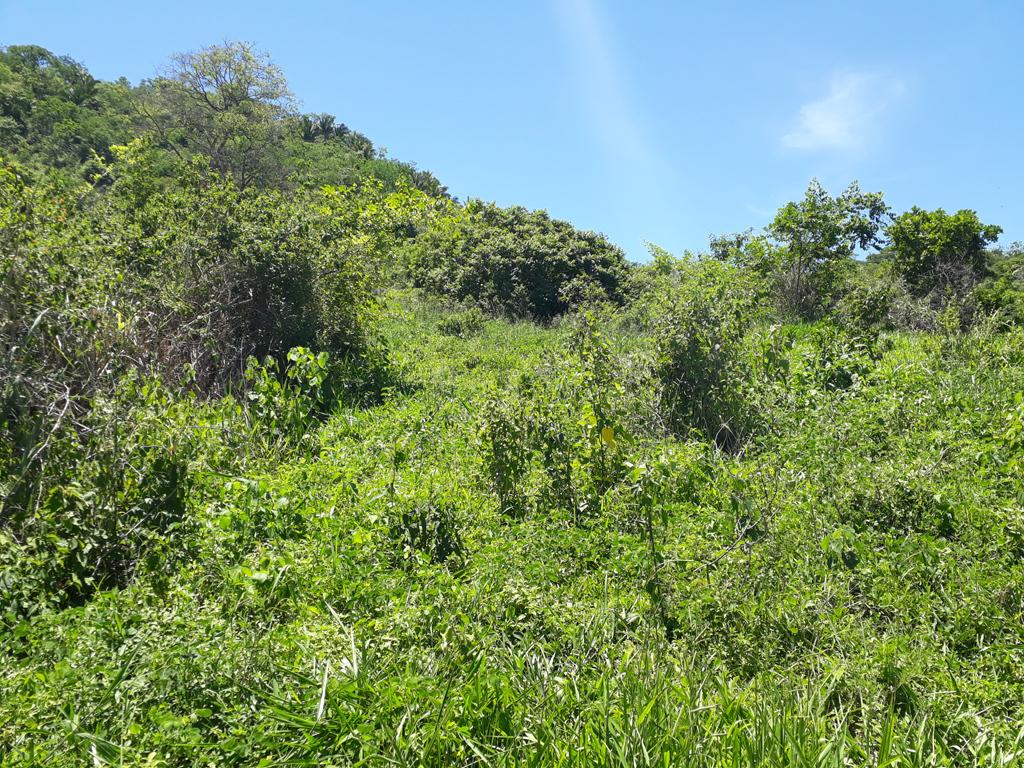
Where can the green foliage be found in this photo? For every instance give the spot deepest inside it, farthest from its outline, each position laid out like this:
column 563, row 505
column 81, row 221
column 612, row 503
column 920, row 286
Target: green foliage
column 698, row 323
column 819, row 234
column 419, row 538
column 569, row 424
column 871, row 304
column 506, row 449
column 469, row 569
column 838, row 360
column 54, row 116
column 83, row 512
column 181, row 283
column 224, row 102
column 1002, row 293
column 206, row 275
column 754, row 254
column 286, row 410
column 465, row 322
column 934, row 250
column 110, row 498
column 513, row 261
column 63, row 310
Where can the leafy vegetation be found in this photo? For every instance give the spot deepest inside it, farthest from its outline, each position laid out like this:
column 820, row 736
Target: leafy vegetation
column 819, row 235
column 515, row 262
column 54, row 115
column 926, row 246
column 344, row 472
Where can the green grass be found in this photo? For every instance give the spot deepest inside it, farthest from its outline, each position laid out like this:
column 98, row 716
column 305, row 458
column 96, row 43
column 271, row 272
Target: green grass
column 845, row 589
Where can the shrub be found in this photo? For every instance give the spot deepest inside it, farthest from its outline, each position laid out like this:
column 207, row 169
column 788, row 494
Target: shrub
column 180, row 287
column 1002, row 293
column 515, row 262
column 934, row 250
column 838, row 359
column 698, row 325
column 466, row 322
column 869, row 304
column 98, row 491
column 234, row 274
column 105, row 493
column 566, row 426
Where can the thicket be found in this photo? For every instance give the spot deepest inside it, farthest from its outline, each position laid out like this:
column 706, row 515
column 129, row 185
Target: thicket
column 107, row 300
column 515, row 262
column 917, row 267
column 1002, row 292
column 515, row 558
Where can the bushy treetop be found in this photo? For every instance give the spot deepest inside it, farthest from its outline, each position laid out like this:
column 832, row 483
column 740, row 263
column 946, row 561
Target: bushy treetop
column 516, row 261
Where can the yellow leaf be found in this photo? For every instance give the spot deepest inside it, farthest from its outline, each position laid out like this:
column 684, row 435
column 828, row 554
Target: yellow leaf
column 608, row 436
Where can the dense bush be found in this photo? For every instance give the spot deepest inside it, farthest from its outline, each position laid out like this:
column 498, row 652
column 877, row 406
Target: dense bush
column 1002, row 293
column 559, row 440
column 202, row 276
column 936, row 251
column 106, row 493
column 699, row 314
column 66, row 323
column 180, row 286
column 467, row 321
column 870, row 303
column 95, row 491
column 516, row 262
column 236, row 274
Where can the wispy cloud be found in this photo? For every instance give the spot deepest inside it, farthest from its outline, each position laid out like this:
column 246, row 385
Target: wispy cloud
column 849, row 117
column 637, row 174
column 600, row 83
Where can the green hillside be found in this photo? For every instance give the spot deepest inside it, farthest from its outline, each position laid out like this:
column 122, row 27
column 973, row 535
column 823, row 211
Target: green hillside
column 304, row 462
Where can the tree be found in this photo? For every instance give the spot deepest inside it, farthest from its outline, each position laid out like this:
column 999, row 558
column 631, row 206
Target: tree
column 55, row 115
column 225, row 102
column 755, row 254
column 324, row 126
column 820, row 234
column 931, row 248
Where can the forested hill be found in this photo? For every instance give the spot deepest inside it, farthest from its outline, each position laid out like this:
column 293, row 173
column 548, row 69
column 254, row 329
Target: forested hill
column 230, row 103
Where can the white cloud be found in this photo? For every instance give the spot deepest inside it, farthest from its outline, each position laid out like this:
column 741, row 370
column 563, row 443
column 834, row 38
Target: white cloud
column 849, row 117
column 601, row 87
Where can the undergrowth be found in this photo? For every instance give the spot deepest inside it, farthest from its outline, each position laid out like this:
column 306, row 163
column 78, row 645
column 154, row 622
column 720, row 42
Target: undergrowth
column 534, row 547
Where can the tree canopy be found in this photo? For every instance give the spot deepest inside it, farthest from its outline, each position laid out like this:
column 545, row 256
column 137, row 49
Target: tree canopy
column 55, row 116
column 819, row 234
column 516, row 261
column 927, row 245
column 226, row 102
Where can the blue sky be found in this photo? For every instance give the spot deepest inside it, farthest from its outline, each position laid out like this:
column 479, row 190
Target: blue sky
column 648, row 120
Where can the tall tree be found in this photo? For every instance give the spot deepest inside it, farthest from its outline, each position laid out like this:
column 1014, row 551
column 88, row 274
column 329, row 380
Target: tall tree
column 325, row 126
column 225, row 102
column 820, row 234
